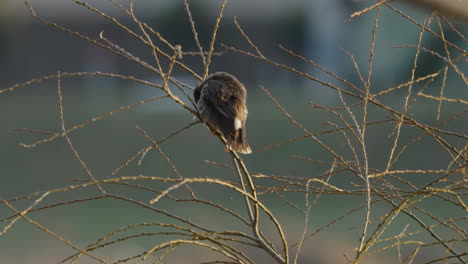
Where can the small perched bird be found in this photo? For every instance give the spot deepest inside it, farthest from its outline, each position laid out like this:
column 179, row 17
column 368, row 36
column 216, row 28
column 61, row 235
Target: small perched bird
column 222, row 104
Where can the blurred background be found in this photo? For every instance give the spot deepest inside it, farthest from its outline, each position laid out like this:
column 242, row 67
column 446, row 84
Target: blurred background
column 317, row 30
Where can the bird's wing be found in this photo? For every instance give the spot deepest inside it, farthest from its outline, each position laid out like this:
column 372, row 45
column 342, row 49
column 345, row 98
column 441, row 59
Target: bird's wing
column 221, row 99
column 222, row 103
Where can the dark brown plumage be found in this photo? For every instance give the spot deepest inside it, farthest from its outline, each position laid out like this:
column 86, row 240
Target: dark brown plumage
column 222, row 104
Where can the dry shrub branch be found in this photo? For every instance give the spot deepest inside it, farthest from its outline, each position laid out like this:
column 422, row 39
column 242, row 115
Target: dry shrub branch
column 388, row 192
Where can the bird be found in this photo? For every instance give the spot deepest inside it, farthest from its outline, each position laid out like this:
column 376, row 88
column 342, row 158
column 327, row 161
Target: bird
column 221, row 100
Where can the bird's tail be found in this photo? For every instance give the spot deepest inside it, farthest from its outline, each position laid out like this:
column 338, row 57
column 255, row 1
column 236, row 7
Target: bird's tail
column 239, row 143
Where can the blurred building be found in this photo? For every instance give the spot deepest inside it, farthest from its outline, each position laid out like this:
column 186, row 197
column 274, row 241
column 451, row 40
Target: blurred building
column 313, row 29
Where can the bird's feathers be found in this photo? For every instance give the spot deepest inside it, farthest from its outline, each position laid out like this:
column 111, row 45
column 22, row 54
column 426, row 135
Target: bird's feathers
column 221, row 101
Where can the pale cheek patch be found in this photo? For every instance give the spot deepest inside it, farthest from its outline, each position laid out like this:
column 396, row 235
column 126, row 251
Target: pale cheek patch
column 237, row 124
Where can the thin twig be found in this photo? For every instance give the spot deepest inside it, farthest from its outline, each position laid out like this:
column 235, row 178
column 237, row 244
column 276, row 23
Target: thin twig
column 195, row 33
column 367, row 9
column 213, row 40
column 67, row 138
column 365, row 174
